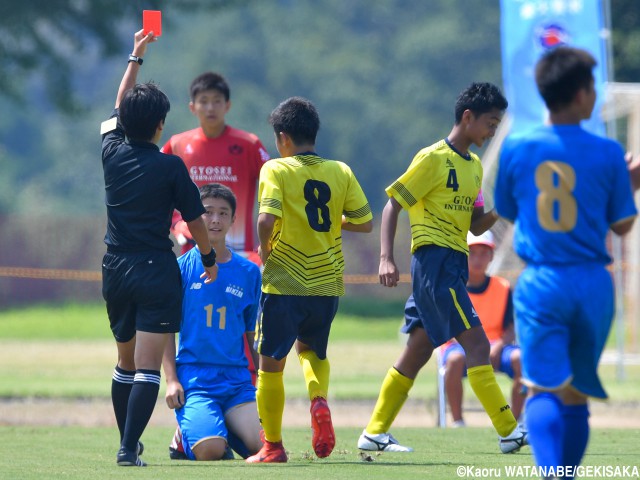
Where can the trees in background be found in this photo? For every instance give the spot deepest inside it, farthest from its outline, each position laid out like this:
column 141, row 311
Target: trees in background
column 54, row 36
column 625, row 18
column 384, row 76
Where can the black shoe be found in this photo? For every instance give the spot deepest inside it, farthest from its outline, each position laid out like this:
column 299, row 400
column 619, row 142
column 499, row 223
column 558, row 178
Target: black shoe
column 228, row 454
column 140, row 448
column 127, row 458
column 175, row 454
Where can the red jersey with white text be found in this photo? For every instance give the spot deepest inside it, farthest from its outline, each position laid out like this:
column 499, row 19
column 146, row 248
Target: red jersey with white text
column 233, row 159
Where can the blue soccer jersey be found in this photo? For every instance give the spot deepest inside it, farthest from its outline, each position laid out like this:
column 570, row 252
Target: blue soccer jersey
column 562, row 187
column 215, row 316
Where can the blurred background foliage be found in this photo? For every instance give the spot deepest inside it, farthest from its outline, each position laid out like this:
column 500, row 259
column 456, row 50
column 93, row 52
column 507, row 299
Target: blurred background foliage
column 384, row 76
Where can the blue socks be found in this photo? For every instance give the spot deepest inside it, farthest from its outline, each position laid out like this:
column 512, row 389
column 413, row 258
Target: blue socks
column 558, row 434
column 546, row 429
column 576, row 422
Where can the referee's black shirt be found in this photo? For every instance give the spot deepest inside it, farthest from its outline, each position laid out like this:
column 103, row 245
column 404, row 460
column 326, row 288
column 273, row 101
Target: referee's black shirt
column 143, row 187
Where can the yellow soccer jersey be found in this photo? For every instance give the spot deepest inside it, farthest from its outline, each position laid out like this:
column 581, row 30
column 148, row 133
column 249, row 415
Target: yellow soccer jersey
column 309, row 195
column 439, row 190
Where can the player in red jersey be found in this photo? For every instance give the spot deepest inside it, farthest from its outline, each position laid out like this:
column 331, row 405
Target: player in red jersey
column 217, row 152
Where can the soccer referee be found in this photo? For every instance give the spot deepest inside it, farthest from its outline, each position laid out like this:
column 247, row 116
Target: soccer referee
column 141, row 281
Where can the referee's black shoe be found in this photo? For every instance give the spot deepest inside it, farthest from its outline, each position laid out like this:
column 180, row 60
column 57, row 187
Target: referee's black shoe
column 128, row 458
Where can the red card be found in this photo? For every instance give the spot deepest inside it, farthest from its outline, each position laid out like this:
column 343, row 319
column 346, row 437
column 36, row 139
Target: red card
column 152, row 22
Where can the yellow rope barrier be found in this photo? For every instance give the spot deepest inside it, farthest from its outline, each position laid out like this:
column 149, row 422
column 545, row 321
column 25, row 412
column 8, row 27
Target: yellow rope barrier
column 51, row 274
column 95, row 276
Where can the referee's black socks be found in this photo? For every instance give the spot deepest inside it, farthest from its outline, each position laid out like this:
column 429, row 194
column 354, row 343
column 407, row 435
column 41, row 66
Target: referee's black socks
column 142, row 401
column 121, row 384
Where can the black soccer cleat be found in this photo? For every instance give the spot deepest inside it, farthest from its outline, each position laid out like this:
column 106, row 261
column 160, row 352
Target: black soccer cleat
column 228, row 454
column 175, row 454
column 127, row 458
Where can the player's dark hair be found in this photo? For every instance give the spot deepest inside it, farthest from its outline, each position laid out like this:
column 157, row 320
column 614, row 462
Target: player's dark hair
column 561, row 73
column 479, row 98
column 142, row 108
column 216, row 190
column 209, row 81
column 298, row 118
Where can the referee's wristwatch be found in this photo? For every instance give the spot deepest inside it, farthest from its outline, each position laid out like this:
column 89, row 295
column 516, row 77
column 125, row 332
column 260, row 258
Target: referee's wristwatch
column 133, row 58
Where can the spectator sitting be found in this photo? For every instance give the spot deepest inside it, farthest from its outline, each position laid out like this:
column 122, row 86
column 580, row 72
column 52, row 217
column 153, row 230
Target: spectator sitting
column 491, row 298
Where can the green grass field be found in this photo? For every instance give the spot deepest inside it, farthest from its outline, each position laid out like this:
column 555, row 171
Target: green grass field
column 82, row 453
column 67, row 351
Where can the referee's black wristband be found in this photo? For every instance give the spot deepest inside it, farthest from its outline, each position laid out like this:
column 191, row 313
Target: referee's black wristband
column 209, row 260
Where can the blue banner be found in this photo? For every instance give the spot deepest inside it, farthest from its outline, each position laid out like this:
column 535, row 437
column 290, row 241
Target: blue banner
column 531, row 27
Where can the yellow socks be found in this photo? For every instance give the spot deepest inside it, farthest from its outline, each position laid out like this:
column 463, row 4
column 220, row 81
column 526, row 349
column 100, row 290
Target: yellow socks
column 316, row 374
column 484, row 385
column 393, row 393
column 270, row 401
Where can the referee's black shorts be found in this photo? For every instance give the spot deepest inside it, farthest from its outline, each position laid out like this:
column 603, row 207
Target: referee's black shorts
column 143, row 292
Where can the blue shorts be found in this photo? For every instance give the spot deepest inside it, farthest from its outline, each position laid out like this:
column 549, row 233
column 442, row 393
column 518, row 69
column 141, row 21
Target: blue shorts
column 210, row 392
column 287, row 318
column 564, row 315
column 505, row 357
column 439, row 303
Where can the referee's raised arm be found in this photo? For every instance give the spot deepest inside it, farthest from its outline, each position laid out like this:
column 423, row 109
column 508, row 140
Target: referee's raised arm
column 135, row 60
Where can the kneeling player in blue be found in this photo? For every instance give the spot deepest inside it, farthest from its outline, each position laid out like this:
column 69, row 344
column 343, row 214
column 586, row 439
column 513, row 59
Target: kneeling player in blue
column 208, row 383
column 564, row 188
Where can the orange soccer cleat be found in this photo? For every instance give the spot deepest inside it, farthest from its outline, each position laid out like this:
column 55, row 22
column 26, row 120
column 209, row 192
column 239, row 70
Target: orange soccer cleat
column 271, row 452
column 324, row 438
